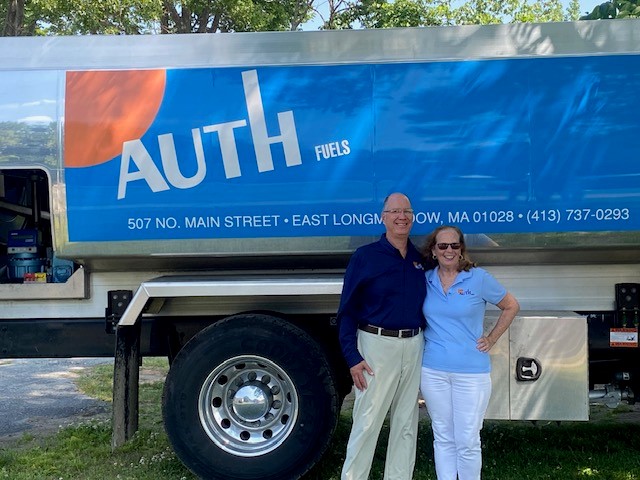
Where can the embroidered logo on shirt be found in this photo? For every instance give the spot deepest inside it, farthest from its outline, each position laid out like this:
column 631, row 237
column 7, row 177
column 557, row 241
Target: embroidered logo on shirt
column 462, row 291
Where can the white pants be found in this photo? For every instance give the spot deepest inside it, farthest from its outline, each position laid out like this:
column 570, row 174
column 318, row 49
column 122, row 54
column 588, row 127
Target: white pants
column 456, row 403
column 394, row 388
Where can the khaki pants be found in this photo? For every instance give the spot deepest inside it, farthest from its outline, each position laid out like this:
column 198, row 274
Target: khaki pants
column 396, row 363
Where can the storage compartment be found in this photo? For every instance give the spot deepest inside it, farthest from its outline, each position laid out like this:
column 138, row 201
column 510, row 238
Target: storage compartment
column 540, row 368
column 26, row 243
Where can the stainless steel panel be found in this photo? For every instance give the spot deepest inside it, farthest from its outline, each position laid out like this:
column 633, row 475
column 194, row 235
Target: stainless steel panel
column 559, row 343
column 321, row 47
column 569, row 288
column 499, row 404
column 287, row 288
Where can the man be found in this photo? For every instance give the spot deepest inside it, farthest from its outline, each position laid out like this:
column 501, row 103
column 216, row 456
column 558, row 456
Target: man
column 380, row 318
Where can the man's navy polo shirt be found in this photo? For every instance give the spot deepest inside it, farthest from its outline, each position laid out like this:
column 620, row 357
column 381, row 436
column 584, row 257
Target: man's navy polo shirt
column 380, row 288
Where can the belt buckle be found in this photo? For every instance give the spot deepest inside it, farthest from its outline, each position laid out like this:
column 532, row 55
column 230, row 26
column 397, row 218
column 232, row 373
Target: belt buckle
column 408, row 333
column 373, row 329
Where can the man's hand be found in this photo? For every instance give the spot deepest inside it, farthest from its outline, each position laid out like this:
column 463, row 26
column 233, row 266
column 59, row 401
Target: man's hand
column 357, row 374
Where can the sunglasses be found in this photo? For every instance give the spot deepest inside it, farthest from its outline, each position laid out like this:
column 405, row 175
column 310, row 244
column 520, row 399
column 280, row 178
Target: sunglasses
column 444, row 246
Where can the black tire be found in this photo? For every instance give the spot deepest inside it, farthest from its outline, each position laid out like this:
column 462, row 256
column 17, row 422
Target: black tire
column 251, row 397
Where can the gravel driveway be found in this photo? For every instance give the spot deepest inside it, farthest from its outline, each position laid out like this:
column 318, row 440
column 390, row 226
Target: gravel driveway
column 39, row 395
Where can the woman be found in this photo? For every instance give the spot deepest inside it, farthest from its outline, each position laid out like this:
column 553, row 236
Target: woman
column 456, row 382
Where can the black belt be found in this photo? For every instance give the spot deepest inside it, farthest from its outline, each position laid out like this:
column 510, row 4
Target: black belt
column 385, row 332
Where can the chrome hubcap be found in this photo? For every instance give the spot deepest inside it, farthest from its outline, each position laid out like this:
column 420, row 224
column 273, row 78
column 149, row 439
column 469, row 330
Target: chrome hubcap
column 248, row 406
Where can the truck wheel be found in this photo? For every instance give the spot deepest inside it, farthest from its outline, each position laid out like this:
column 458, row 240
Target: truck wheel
column 250, row 397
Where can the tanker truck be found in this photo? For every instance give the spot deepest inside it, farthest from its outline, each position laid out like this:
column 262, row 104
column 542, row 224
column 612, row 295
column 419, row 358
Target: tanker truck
column 197, row 197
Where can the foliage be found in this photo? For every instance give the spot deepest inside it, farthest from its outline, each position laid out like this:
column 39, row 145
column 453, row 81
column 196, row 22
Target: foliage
column 573, row 10
column 73, row 17
column 83, row 17
column 513, row 11
column 419, row 13
column 385, row 14
column 203, row 16
column 16, row 18
column 79, row 17
column 614, row 9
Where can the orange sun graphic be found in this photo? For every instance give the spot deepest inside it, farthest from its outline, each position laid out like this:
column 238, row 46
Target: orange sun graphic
column 103, row 109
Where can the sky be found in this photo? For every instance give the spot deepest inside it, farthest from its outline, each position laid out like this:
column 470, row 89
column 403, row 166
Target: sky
column 586, row 6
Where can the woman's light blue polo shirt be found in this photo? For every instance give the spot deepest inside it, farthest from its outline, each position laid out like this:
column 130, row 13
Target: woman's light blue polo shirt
column 455, row 321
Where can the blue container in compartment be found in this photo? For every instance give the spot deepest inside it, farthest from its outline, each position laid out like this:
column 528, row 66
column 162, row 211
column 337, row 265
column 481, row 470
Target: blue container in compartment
column 61, row 270
column 25, row 262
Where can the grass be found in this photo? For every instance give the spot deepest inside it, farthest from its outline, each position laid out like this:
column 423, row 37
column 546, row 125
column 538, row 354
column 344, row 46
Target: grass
column 605, row 449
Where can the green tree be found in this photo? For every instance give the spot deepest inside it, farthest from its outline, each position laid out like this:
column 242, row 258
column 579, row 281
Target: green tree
column 13, row 14
column 384, row 14
column 16, row 19
column 83, row 17
column 402, row 13
column 509, row 11
column 573, row 10
column 86, row 17
column 614, row 9
column 206, row 16
column 78, row 17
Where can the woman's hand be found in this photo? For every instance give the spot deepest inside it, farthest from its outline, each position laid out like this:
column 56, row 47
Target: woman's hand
column 510, row 307
column 485, row 343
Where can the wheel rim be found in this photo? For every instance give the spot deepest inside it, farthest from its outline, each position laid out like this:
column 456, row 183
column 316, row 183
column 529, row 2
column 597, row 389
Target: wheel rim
column 248, row 406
